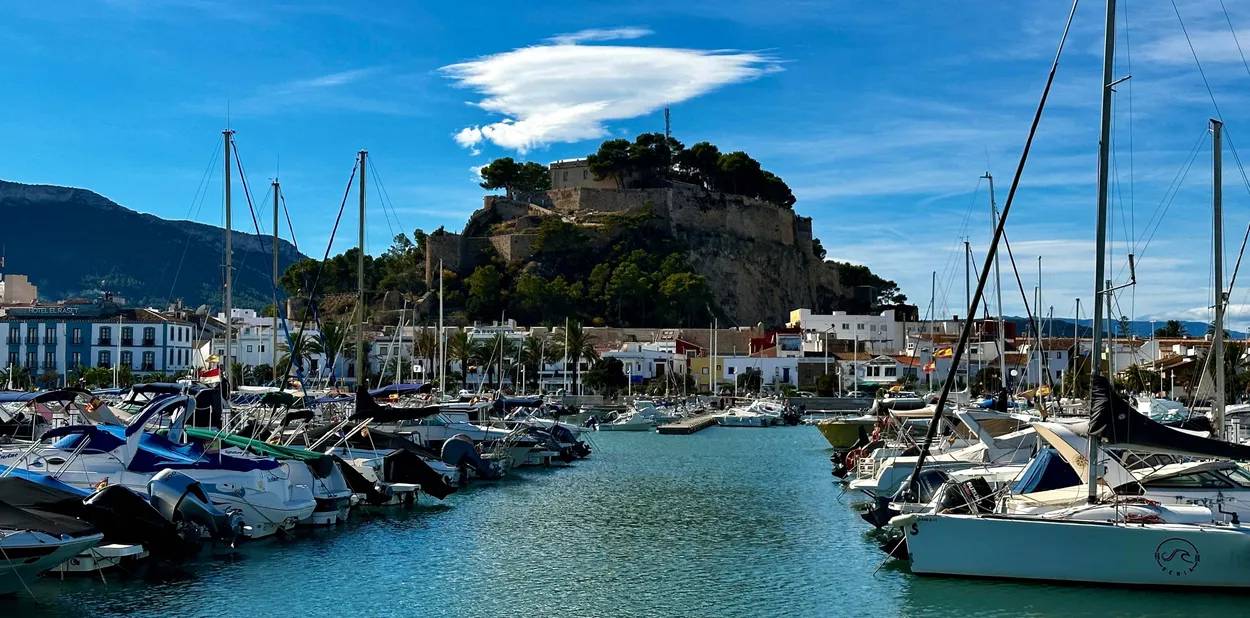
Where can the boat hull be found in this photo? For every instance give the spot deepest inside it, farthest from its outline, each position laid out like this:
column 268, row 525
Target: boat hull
column 1185, row 555
column 842, row 434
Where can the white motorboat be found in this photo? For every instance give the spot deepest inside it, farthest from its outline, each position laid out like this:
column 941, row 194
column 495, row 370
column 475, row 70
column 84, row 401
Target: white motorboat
column 24, row 554
column 630, row 421
column 744, row 417
column 269, row 495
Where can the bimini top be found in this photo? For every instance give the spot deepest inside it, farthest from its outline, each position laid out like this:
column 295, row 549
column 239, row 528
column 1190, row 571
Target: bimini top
column 400, row 390
column 64, row 394
column 155, row 452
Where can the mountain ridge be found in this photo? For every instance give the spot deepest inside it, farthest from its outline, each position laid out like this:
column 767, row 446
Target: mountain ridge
column 146, row 254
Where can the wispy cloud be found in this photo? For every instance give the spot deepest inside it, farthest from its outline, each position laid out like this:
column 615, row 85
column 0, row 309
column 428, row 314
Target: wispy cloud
column 591, row 35
column 566, row 93
column 353, row 90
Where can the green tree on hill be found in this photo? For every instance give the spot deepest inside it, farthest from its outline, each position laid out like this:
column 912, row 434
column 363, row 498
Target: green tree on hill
column 1171, row 329
column 507, row 174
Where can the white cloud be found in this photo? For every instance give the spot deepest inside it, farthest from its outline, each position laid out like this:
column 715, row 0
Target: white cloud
column 599, row 34
column 566, row 93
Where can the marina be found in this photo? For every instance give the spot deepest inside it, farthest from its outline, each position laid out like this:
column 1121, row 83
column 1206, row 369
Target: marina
column 697, row 517
column 617, row 369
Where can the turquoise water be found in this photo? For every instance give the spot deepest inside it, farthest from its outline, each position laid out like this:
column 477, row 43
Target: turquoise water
column 726, row 522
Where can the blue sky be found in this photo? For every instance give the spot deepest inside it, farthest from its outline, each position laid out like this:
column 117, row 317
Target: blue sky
column 881, row 116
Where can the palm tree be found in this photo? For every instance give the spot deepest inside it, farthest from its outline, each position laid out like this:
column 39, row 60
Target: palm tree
column 297, row 351
column 460, row 348
column 329, row 342
column 425, row 347
column 534, row 352
column 580, row 346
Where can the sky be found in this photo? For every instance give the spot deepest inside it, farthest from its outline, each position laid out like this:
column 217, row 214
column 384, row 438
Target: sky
column 882, row 117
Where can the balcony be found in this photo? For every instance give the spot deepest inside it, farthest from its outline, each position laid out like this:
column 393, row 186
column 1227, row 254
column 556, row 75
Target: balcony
column 105, row 341
column 149, row 343
column 49, row 340
column 128, row 342
column 147, row 367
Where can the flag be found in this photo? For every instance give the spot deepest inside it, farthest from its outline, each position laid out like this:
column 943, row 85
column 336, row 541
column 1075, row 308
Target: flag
column 930, row 367
column 211, row 376
column 945, row 352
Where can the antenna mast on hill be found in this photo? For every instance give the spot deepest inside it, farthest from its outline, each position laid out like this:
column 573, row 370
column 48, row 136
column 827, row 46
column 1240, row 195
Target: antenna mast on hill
column 668, row 125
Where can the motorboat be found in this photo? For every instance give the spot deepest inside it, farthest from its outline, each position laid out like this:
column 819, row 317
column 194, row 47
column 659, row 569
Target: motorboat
column 629, row 421
column 321, row 472
column 744, row 417
column 268, row 494
column 32, row 545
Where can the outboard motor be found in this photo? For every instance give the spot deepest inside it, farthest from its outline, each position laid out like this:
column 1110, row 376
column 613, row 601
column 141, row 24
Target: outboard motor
column 180, row 499
column 459, row 451
column 124, row 516
column 564, row 435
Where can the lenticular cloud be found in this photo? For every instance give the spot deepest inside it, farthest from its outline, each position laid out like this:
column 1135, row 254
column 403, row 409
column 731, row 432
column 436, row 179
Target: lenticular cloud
column 566, row 92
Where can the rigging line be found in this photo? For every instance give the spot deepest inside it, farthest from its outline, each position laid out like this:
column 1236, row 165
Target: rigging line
column 1241, row 252
column 384, row 194
column 1128, row 68
column 1174, row 184
column 1167, row 202
column 1201, row 72
column 201, row 195
column 289, row 225
column 385, row 215
column 965, row 333
column 1033, row 322
column 1233, row 30
column 312, row 289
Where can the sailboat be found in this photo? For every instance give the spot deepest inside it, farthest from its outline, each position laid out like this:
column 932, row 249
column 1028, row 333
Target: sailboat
column 1092, row 543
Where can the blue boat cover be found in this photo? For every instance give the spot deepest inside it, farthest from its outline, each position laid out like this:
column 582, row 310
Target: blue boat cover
column 155, row 453
column 1047, row 471
column 47, row 481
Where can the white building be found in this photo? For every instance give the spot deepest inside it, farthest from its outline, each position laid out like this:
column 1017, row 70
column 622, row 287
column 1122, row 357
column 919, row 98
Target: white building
column 879, row 333
column 650, row 361
column 774, row 371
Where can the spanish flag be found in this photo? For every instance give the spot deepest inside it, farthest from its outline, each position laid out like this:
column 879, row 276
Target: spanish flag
column 930, row 367
column 945, row 352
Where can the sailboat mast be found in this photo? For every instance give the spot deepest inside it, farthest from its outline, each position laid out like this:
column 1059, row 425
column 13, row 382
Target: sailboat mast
column 968, row 304
column 442, row 340
column 273, row 344
column 1100, row 241
column 1217, row 241
column 998, row 288
column 360, row 277
column 227, row 137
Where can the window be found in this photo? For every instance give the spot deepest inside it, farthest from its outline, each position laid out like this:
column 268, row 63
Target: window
column 262, row 348
column 13, row 335
column 249, row 348
column 859, row 326
column 891, row 372
column 128, row 335
column 149, row 335
column 76, row 335
column 846, row 326
column 30, row 360
column 106, row 337
column 49, row 334
column 149, row 361
column 127, row 358
column 75, row 359
column 49, row 360
column 12, row 358
column 32, row 333
column 104, row 359
column 731, row 370
column 566, row 175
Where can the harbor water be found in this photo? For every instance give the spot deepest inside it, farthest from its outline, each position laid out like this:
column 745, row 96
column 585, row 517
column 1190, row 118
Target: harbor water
column 726, row 522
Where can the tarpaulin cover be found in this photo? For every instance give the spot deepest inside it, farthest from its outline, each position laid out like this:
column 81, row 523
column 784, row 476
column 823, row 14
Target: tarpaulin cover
column 1116, row 422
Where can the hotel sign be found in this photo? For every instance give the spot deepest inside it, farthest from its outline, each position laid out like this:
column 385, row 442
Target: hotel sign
column 55, row 311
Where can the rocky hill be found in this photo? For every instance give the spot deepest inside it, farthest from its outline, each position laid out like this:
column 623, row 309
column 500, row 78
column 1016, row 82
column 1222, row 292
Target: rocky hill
column 756, row 260
column 74, row 242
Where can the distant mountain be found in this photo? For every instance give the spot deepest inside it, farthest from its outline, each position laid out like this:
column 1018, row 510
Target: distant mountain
column 1062, row 327
column 74, row 242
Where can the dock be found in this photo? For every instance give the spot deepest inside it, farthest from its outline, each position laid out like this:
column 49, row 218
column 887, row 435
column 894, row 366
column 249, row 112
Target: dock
column 688, row 425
